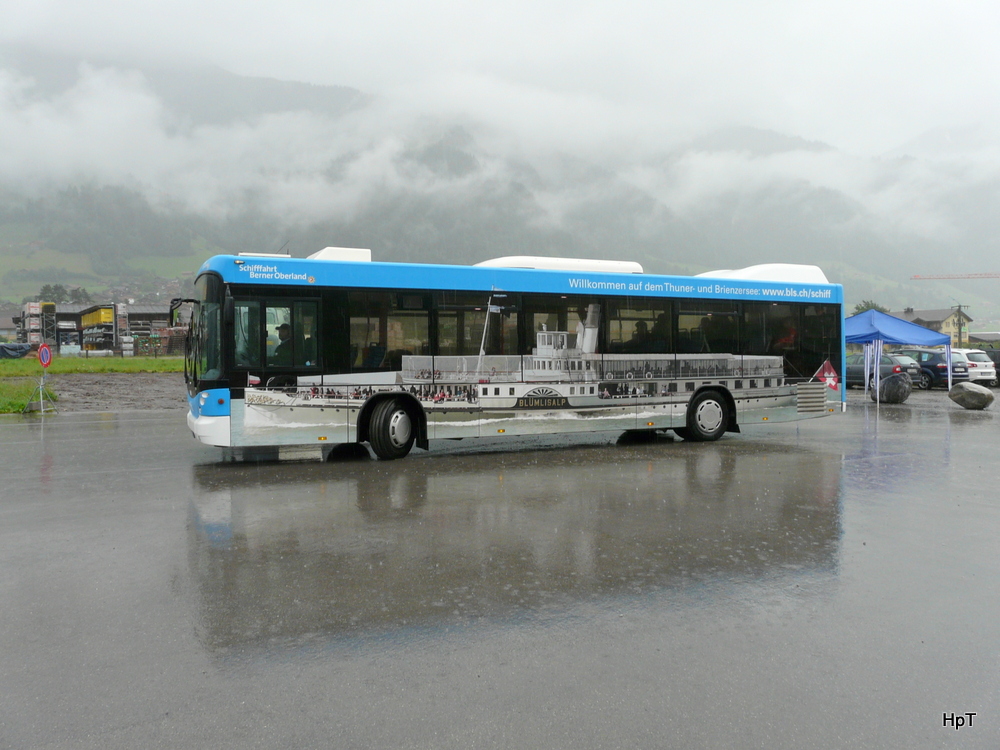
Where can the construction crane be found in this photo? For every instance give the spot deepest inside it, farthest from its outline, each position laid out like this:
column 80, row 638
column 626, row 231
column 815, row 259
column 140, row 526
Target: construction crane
column 959, row 276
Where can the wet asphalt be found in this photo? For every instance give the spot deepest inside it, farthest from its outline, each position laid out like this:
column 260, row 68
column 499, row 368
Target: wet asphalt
column 830, row 583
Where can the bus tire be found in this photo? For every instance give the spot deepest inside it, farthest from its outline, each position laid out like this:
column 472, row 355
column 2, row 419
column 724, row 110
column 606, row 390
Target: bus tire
column 391, row 431
column 707, row 418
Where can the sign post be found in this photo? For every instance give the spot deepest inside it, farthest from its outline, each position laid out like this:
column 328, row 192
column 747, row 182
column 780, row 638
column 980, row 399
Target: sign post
column 44, row 401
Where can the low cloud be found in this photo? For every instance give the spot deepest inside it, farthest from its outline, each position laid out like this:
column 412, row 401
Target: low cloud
column 110, row 128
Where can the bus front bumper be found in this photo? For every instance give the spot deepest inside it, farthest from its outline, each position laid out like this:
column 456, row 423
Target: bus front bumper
column 210, row 430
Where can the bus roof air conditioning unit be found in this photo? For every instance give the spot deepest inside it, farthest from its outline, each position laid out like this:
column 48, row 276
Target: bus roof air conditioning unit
column 563, row 264
column 355, row 254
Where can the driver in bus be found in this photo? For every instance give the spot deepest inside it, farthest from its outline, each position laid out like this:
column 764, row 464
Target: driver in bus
column 283, row 351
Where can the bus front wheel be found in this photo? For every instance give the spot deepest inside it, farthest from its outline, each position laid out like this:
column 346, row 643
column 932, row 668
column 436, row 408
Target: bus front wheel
column 707, row 418
column 391, row 431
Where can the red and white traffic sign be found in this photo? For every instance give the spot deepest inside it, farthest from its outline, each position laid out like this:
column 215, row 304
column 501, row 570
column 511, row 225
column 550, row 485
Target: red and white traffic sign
column 44, row 355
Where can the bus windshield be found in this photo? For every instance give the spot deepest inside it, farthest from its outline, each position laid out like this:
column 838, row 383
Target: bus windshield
column 204, row 352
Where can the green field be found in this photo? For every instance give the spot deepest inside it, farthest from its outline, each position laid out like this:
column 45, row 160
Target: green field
column 15, row 392
column 29, row 367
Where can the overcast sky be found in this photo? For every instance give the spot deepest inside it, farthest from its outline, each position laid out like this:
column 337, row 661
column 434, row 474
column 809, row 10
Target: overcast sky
column 618, row 84
column 863, row 76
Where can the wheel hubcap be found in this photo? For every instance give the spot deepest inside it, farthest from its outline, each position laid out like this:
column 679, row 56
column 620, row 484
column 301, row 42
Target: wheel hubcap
column 709, row 416
column 399, row 428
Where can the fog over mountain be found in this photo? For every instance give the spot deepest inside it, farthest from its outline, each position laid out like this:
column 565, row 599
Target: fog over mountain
column 126, row 153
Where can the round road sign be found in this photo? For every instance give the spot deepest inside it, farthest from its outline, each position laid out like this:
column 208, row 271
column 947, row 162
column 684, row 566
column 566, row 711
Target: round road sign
column 44, row 355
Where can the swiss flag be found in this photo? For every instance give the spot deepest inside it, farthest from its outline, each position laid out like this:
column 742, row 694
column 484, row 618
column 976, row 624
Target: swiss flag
column 828, row 375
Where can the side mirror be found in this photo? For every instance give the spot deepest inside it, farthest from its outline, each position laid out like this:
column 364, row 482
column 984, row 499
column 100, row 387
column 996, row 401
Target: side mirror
column 175, row 304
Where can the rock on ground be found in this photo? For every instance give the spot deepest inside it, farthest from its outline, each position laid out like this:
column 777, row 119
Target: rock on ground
column 894, row 389
column 971, row 395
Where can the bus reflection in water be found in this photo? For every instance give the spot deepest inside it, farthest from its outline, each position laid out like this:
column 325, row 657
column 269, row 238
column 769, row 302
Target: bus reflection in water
column 457, row 540
column 336, row 349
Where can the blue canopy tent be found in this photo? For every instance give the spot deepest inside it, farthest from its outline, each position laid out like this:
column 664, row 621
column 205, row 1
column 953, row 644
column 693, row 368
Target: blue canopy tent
column 873, row 329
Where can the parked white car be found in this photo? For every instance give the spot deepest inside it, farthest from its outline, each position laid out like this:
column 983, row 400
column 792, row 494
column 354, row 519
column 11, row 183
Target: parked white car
column 981, row 367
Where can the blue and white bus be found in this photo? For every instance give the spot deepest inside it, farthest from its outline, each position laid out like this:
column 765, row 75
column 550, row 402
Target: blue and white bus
column 335, row 348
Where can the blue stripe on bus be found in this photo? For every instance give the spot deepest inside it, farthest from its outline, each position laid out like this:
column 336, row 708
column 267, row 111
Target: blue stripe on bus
column 324, row 273
column 211, row 403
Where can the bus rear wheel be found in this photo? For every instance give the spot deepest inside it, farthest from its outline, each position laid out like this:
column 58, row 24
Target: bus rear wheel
column 391, row 431
column 707, row 418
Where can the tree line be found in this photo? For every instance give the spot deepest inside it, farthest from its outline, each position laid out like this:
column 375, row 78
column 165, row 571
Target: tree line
column 59, row 294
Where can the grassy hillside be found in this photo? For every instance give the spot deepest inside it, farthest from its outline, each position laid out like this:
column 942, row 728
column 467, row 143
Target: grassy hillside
column 110, row 239
column 170, row 267
column 97, row 238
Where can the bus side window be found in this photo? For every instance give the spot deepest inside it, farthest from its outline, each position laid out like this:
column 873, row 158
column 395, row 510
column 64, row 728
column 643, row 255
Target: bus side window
column 542, row 312
column 291, row 334
column 372, row 329
column 279, row 335
column 707, row 327
column 638, row 325
column 304, row 334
